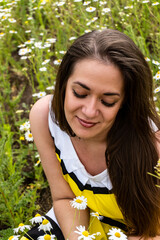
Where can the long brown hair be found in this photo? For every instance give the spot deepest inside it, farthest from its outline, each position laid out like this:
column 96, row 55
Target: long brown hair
column 131, row 150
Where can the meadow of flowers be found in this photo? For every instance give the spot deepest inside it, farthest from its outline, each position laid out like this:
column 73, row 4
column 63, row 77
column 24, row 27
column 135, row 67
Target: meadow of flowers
column 34, row 35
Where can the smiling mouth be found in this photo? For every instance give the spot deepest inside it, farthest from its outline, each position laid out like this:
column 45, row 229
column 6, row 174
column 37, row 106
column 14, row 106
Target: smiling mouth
column 86, row 124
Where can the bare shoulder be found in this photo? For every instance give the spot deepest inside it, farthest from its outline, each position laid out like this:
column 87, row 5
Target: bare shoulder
column 41, row 107
column 157, row 134
column 39, row 122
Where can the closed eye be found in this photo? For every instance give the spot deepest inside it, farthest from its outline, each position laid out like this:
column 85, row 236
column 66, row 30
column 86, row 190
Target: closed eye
column 107, row 104
column 78, row 95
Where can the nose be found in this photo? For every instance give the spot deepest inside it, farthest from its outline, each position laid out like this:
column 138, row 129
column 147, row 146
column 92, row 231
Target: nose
column 90, row 108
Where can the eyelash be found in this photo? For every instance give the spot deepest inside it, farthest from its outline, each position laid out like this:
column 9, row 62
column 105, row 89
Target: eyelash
column 84, row 95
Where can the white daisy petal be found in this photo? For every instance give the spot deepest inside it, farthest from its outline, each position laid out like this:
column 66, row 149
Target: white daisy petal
column 79, row 202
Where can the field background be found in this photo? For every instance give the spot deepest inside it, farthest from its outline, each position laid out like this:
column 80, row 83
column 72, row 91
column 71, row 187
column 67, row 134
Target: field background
column 34, row 35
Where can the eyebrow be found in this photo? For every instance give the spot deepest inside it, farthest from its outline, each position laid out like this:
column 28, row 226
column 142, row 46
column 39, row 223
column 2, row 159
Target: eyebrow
column 87, row 88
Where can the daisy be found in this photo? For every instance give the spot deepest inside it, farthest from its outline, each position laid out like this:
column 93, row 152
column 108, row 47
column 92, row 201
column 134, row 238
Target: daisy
column 157, row 76
column 21, row 228
column 24, row 51
column 72, row 38
column 155, row 62
column 116, row 234
column 57, row 62
column 157, row 90
column 47, row 237
column 43, row 69
column 11, row 20
column 14, row 237
column 84, row 234
column 96, row 214
column 50, row 88
column 155, row 3
column 29, row 136
column 51, row 40
column 90, row 9
column 86, row 3
column 39, row 95
column 37, row 219
column 38, row 162
column 25, row 126
column 45, row 61
column 79, row 202
column 45, row 226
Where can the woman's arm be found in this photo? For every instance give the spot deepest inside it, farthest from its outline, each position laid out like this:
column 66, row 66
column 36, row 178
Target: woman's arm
column 60, row 190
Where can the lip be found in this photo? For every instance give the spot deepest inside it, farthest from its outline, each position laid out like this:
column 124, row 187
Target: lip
column 86, row 124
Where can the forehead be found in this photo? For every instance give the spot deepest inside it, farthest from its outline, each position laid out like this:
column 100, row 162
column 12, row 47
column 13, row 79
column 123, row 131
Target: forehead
column 97, row 75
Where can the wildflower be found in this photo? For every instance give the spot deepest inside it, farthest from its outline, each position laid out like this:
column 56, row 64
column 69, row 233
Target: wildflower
column 145, row 1
column 116, row 234
column 24, row 57
column 157, row 90
column 45, row 226
column 20, row 111
column 47, row 237
column 38, row 162
column 128, row 7
column 96, row 214
column 105, row 10
column 30, row 41
column 155, row 3
column 72, row 38
column 12, row 31
column 147, row 59
column 37, row 219
column 45, row 61
column 25, row 126
column 79, row 202
column 86, row 3
column 1, row 34
column 21, row 228
column 155, row 62
column 62, row 52
column 38, row 44
column 27, row 31
column 77, row 0
column 14, row 237
column 11, row 20
column 50, row 88
column 21, row 138
column 87, row 31
column 43, row 69
column 29, row 136
column 84, row 234
column 90, row 9
column 24, row 51
column 57, row 62
column 51, row 40
column 39, row 95
column 157, row 76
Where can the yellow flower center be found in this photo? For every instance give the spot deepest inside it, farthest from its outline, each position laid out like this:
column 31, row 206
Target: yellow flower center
column 21, row 225
column 79, row 201
column 47, row 237
column 10, row 238
column 45, row 221
column 85, row 233
column 117, row 234
column 37, row 215
column 96, row 214
column 30, row 135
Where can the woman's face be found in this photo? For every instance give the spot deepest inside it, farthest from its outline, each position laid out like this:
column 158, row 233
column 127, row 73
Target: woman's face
column 94, row 95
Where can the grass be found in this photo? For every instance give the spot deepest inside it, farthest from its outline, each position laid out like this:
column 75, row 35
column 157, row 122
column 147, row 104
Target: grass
column 33, row 34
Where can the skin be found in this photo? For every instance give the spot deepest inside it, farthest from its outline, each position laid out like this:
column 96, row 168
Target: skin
column 90, row 117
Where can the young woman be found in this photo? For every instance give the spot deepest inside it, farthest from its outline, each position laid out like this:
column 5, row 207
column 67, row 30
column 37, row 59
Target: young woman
column 98, row 138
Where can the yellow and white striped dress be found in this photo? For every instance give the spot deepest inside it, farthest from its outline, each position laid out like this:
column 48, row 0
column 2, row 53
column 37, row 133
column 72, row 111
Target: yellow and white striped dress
column 97, row 189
